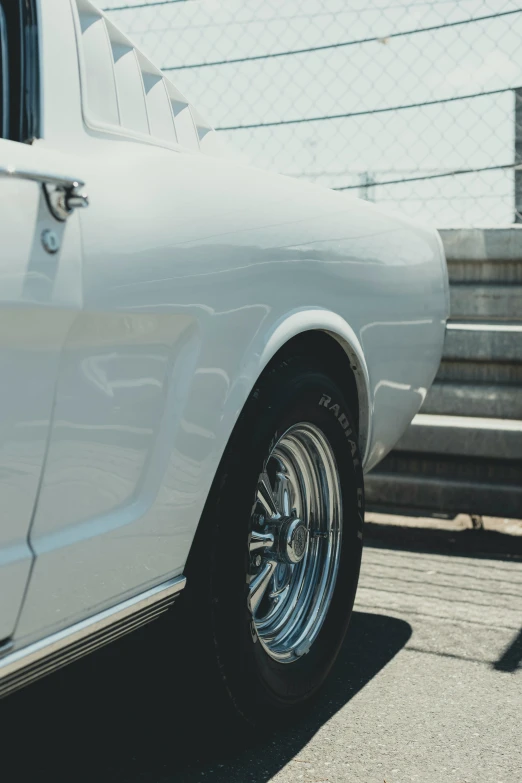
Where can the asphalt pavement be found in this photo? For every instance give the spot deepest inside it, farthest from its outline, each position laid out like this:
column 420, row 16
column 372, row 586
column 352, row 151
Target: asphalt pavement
column 428, row 687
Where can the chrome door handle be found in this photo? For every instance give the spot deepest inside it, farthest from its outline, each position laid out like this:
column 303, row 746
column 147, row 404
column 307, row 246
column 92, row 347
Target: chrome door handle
column 63, row 194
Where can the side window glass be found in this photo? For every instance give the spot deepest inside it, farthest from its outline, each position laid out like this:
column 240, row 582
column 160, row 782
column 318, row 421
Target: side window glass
column 4, row 78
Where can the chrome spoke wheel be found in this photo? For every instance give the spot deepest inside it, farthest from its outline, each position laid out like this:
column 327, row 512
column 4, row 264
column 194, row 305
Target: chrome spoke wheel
column 294, row 542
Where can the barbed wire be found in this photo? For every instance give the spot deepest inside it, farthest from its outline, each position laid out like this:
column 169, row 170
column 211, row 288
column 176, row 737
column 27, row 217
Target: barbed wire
column 289, row 17
column 144, row 5
column 341, row 44
column 423, row 3
column 365, row 112
column 483, row 197
column 454, row 173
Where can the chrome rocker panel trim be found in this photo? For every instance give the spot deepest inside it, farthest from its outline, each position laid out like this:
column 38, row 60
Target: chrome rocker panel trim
column 36, row 660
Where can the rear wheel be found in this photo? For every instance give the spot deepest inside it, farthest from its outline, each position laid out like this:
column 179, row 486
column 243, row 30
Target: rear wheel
column 273, row 571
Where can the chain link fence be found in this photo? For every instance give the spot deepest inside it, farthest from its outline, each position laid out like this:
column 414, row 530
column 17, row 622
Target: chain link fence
column 414, row 105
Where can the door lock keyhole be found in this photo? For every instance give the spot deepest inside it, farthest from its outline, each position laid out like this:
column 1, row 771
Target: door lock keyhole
column 50, row 241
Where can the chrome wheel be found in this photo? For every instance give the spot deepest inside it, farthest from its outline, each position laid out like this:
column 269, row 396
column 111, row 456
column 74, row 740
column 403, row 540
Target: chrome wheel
column 294, row 542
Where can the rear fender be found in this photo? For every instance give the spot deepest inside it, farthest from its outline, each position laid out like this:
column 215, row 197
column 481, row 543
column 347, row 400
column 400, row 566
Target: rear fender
column 264, row 347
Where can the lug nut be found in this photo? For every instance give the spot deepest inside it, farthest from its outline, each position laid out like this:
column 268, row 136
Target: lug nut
column 257, row 560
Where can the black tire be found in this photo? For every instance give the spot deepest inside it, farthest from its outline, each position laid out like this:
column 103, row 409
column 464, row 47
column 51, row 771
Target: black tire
column 230, row 665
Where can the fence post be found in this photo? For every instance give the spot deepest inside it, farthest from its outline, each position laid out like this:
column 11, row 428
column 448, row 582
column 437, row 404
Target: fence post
column 518, row 154
column 367, row 181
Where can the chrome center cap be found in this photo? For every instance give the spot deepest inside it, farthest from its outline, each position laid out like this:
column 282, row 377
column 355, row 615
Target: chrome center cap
column 294, row 540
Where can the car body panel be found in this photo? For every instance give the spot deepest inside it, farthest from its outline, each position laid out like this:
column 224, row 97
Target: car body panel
column 39, row 297
column 195, row 271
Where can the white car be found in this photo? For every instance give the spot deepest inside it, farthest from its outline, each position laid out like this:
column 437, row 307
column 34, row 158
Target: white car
column 198, row 361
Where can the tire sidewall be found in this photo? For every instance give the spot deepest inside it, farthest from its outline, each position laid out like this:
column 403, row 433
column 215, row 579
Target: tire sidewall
column 293, row 392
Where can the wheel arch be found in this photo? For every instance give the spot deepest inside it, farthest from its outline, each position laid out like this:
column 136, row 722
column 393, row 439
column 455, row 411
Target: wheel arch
column 324, row 333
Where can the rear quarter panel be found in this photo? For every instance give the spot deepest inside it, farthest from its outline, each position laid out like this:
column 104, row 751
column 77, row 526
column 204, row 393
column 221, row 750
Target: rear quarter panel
column 277, row 256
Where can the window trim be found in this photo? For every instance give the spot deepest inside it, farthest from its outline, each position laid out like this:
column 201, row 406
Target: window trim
column 30, row 119
column 4, row 65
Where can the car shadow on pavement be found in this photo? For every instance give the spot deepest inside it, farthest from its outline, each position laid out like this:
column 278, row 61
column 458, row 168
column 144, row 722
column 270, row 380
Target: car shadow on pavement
column 111, row 717
column 462, row 543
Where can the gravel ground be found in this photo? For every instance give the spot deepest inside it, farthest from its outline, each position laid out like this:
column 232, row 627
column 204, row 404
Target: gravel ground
column 428, row 687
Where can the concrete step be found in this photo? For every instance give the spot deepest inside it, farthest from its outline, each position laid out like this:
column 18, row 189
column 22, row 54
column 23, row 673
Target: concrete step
column 483, row 342
column 486, row 302
column 388, row 492
column 494, row 272
column 453, row 468
column 463, row 436
column 464, row 245
column 477, row 372
column 466, row 399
